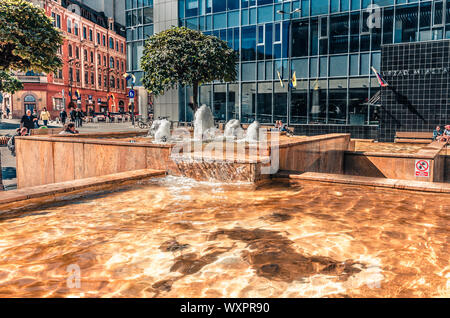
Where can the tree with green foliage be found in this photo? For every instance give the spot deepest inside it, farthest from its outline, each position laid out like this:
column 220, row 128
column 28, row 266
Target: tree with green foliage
column 181, row 56
column 28, row 41
column 9, row 83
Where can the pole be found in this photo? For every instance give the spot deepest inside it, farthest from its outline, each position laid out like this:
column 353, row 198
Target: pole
column 289, row 97
column 132, row 106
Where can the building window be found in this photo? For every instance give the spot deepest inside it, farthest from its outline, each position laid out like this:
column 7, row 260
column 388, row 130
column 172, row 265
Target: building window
column 69, row 26
column 91, row 37
column 104, row 40
column 92, row 79
column 71, row 74
column 84, row 33
column 77, row 52
column 104, row 60
column 78, row 76
column 121, row 47
column 111, row 62
column 98, row 38
column 99, row 80
column 85, row 55
column 86, row 78
column 92, row 57
column 111, row 43
column 75, row 29
column 70, row 50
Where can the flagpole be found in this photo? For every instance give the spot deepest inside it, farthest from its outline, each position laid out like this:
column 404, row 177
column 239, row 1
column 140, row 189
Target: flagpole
column 289, row 92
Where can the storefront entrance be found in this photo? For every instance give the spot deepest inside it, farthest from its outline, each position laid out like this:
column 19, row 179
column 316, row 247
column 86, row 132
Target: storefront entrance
column 29, row 103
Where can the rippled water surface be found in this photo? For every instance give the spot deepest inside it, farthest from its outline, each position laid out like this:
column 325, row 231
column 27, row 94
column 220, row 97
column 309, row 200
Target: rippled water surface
column 177, row 238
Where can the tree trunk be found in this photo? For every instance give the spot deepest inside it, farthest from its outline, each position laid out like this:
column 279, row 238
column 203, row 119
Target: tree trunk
column 195, row 93
column 1, row 179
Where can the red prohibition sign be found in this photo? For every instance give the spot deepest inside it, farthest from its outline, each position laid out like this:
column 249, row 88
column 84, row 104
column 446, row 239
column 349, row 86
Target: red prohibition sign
column 422, row 165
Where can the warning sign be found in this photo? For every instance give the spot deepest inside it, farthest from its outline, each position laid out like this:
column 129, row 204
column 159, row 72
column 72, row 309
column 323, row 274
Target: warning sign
column 422, row 168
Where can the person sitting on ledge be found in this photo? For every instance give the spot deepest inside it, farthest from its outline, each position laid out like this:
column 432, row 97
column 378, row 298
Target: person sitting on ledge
column 12, row 142
column 437, row 133
column 446, row 135
column 69, row 129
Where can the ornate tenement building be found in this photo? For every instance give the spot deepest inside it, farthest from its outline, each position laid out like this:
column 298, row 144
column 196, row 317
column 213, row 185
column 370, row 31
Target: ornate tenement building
column 94, row 61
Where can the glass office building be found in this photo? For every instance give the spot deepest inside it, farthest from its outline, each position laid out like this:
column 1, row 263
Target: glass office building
column 330, row 46
column 139, row 23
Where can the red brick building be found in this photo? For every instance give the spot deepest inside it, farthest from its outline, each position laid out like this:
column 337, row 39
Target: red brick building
column 94, row 61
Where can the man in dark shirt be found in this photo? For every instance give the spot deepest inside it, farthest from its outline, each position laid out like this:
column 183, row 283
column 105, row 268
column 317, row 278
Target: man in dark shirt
column 63, row 116
column 28, row 121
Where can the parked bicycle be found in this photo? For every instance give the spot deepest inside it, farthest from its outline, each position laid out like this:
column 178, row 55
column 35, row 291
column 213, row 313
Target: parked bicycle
column 144, row 124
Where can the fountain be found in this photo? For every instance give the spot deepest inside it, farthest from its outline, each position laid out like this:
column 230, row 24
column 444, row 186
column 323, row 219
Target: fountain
column 233, row 130
column 162, row 134
column 253, row 132
column 203, row 121
column 154, row 128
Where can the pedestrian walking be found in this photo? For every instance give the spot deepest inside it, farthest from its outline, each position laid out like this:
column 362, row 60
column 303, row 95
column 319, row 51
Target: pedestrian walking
column 73, row 113
column 63, row 116
column 79, row 118
column 35, row 115
column 45, row 116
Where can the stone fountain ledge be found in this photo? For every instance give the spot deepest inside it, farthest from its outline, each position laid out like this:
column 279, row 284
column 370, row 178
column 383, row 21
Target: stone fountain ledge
column 433, row 187
column 51, row 193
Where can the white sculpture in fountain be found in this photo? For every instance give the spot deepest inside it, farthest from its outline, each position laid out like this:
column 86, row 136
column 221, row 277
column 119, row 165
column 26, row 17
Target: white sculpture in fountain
column 253, row 132
column 233, row 130
column 154, row 128
column 162, row 134
column 203, row 120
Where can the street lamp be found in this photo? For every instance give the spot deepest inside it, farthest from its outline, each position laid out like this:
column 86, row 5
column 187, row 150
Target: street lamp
column 132, row 101
column 281, row 12
column 70, row 61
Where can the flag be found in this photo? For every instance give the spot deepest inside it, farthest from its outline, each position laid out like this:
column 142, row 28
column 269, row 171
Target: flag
column 130, row 76
column 380, row 78
column 281, row 81
column 294, row 80
column 77, row 94
column 316, row 85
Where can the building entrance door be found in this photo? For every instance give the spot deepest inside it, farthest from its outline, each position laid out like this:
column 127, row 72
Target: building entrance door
column 29, row 106
column 29, row 103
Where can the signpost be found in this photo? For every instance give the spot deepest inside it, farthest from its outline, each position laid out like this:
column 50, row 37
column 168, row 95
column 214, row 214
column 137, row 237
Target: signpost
column 131, row 95
column 422, row 168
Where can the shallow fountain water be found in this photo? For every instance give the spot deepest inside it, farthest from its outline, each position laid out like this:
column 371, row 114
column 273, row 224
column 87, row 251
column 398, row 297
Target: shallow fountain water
column 174, row 237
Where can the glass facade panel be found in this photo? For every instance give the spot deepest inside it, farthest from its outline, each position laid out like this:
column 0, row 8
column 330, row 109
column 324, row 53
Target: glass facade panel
column 330, row 46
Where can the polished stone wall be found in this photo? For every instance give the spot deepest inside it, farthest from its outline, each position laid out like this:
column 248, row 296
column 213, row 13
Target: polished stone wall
column 418, row 95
